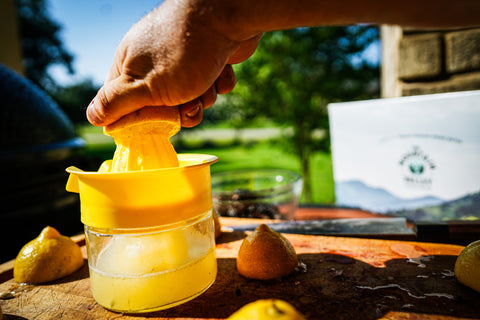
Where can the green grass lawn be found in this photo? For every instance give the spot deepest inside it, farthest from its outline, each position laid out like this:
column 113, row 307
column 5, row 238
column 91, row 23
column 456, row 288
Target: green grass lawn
column 262, row 154
column 265, row 155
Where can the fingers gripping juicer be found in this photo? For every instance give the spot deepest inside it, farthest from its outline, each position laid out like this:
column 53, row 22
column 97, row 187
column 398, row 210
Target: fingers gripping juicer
column 148, row 217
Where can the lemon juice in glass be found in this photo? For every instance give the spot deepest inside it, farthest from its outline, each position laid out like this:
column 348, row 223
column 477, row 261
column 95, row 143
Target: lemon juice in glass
column 158, row 268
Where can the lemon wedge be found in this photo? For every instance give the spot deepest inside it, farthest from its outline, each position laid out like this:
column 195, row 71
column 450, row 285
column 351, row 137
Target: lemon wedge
column 143, row 139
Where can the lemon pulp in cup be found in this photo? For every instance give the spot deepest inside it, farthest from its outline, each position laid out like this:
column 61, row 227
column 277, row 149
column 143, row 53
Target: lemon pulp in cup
column 153, row 270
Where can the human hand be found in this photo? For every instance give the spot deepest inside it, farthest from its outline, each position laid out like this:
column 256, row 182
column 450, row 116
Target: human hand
column 172, row 57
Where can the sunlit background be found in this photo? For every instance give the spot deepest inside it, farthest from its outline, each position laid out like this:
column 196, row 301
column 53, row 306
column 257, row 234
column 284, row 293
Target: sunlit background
column 91, row 31
column 276, row 117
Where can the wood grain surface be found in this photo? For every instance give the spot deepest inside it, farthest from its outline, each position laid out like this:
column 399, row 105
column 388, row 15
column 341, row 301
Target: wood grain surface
column 339, row 278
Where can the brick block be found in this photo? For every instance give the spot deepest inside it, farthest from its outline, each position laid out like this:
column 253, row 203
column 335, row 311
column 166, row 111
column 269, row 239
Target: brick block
column 462, row 51
column 460, row 82
column 420, row 56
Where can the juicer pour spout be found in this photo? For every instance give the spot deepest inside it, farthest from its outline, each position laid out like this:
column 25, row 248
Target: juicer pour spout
column 72, row 182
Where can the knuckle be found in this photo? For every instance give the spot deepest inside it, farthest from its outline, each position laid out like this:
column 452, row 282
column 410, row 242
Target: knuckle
column 226, row 81
column 191, row 113
column 209, row 97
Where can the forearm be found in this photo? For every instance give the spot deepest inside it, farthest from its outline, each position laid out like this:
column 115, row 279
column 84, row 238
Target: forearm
column 180, row 53
column 241, row 19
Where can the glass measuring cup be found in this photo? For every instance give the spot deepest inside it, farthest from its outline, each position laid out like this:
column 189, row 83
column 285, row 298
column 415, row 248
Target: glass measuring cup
column 149, row 234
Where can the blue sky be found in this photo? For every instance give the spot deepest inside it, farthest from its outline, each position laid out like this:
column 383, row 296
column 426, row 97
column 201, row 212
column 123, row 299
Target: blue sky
column 92, row 30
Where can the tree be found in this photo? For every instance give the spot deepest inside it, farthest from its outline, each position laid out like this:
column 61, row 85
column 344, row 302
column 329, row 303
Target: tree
column 43, row 47
column 294, row 74
column 41, row 43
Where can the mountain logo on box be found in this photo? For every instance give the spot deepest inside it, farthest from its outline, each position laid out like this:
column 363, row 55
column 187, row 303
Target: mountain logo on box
column 418, row 168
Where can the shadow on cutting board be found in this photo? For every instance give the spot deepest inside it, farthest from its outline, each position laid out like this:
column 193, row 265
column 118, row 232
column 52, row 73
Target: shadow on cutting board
column 339, row 287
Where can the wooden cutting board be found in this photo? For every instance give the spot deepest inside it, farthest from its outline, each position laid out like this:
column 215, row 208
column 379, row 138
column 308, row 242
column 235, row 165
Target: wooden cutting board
column 339, row 278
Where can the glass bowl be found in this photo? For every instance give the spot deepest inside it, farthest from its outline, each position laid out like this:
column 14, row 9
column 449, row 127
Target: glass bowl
column 256, row 193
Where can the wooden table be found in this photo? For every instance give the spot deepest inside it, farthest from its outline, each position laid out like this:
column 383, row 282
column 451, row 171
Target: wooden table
column 339, row 278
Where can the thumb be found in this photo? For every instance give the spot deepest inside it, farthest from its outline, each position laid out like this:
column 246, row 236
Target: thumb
column 117, row 98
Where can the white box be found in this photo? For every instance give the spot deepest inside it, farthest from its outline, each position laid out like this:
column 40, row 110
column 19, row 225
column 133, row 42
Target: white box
column 416, row 156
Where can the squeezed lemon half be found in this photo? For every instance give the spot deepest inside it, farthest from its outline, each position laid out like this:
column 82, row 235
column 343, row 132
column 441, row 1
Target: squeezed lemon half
column 267, row 309
column 266, row 254
column 467, row 265
column 143, row 140
column 48, row 257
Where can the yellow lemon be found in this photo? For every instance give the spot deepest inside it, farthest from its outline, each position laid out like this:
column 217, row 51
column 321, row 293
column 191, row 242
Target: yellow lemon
column 467, row 265
column 48, row 257
column 266, row 254
column 267, row 309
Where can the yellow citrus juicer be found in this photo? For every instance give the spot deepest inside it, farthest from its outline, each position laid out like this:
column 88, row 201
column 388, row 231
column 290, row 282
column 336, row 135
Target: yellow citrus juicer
column 149, row 232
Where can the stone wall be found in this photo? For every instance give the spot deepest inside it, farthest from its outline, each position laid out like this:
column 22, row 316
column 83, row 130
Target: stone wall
column 416, row 62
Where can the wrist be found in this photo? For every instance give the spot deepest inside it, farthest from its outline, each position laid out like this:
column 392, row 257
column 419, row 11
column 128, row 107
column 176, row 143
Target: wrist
column 234, row 20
